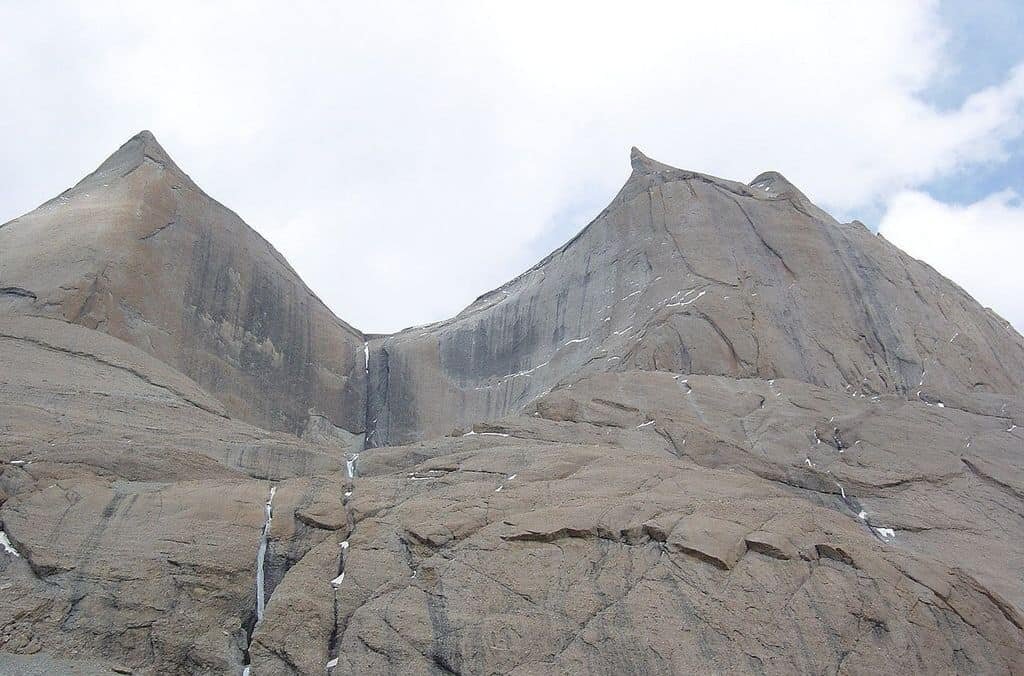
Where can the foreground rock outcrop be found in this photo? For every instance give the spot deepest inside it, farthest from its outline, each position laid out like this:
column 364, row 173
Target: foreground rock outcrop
column 717, row 432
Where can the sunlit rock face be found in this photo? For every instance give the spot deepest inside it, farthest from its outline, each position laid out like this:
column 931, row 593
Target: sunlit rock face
column 717, row 432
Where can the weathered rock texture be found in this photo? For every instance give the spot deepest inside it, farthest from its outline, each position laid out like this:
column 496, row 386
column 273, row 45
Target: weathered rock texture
column 138, row 251
column 694, row 274
column 717, row 432
column 136, row 505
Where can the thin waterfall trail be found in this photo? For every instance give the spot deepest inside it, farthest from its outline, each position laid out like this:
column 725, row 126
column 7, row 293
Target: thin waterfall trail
column 261, row 556
column 332, row 647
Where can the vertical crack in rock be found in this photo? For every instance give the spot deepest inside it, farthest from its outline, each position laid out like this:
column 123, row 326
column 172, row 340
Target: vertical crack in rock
column 332, row 644
column 261, row 556
column 377, row 383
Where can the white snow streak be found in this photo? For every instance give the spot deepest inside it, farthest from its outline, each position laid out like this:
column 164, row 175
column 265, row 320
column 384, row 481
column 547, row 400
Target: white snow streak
column 6, row 544
column 261, row 555
column 885, row 533
column 525, row 373
column 686, row 302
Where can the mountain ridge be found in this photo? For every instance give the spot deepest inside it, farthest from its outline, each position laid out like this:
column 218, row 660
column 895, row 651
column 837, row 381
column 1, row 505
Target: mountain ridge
column 715, row 431
column 770, row 218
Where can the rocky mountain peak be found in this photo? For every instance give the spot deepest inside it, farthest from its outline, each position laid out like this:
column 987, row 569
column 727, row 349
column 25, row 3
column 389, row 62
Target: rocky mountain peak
column 137, row 250
column 133, row 153
column 774, row 183
column 716, row 431
column 642, row 164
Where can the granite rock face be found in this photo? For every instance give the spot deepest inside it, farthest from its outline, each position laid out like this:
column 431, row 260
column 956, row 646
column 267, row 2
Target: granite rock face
column 133, row 506
column 137, row 250
column 516, row 556
column 717, row 432
column 694, row 274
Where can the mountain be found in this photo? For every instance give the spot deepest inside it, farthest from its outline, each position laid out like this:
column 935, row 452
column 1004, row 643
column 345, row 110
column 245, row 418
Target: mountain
column 716, row 432
column 138, row 251
column 693, row 274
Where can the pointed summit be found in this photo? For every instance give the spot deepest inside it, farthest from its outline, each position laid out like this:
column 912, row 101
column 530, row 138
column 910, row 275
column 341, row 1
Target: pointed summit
column 775, row 183
column 644, row 165
column 137, row 250
column 130, row 156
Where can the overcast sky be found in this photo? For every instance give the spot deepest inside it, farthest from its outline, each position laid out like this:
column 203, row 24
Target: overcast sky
column 408, row 157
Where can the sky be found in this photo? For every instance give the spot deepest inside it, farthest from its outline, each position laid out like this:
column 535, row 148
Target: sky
column 408, row 157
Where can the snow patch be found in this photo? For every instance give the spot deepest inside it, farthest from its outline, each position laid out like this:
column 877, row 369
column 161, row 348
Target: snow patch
column 6, row 544
column 885, row 533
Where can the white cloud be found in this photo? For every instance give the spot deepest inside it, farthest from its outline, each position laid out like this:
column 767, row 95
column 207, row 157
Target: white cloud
column 407, row 157
column 978, row 245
